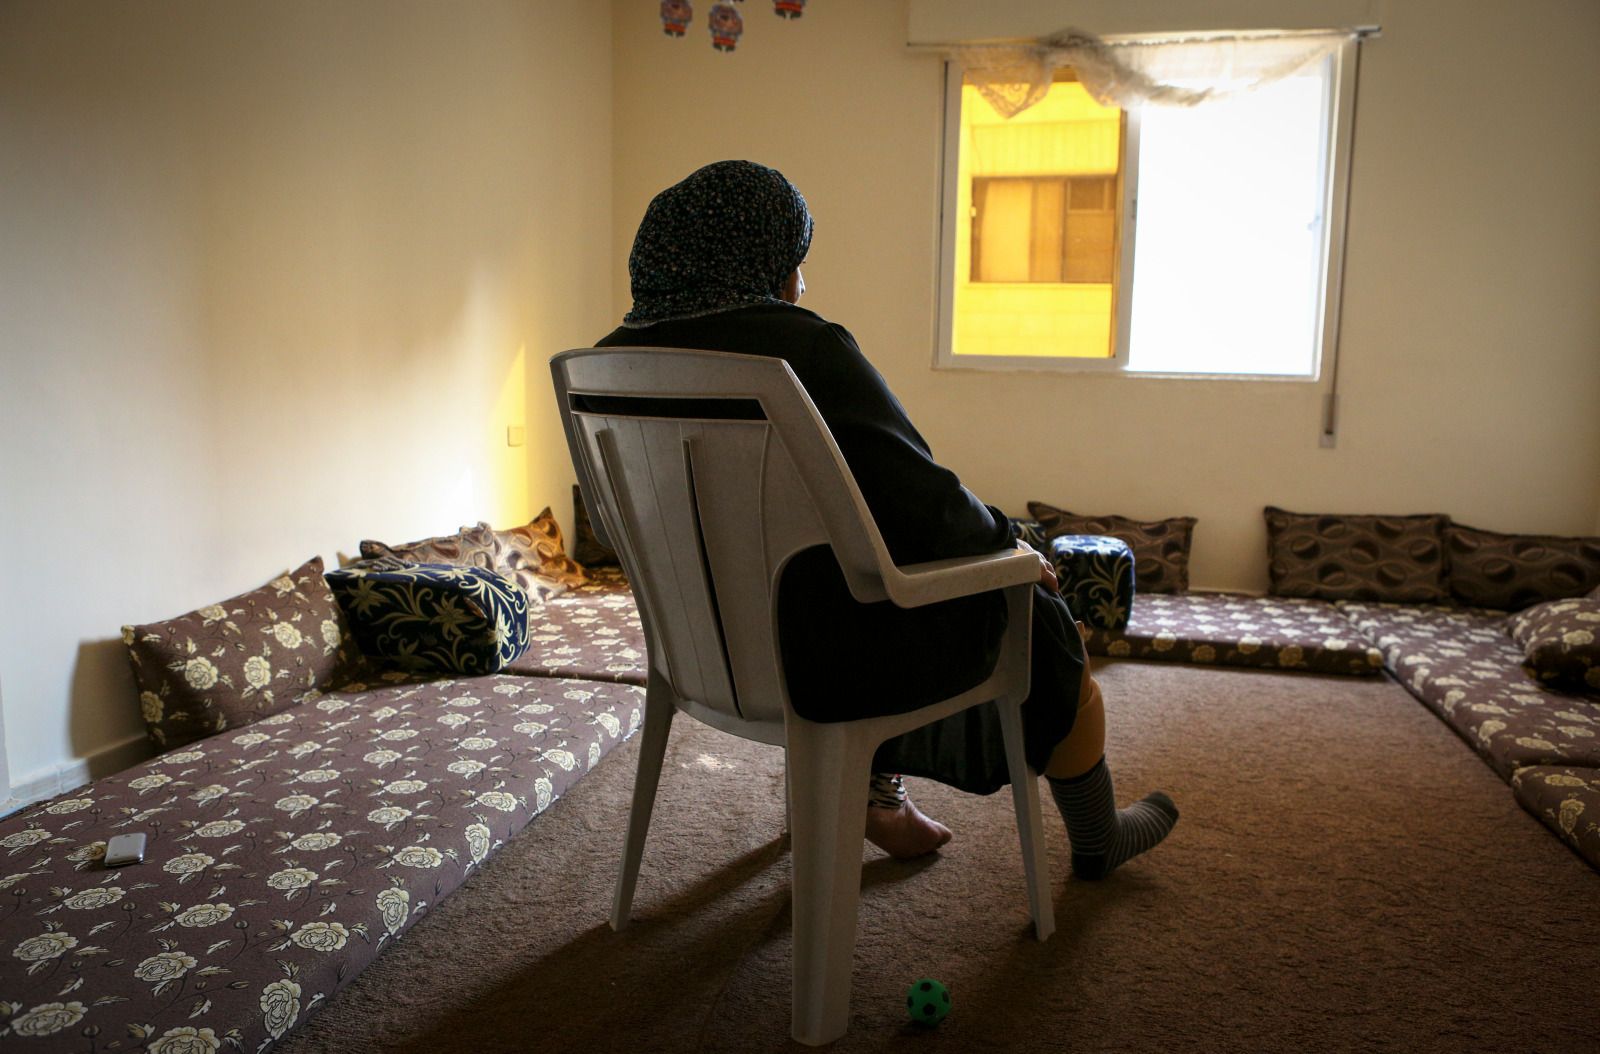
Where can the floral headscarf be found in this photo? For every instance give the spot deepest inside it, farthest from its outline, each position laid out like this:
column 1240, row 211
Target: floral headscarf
column 725, row 237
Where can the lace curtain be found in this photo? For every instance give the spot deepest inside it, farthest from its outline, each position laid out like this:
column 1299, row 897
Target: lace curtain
column 1135, row 73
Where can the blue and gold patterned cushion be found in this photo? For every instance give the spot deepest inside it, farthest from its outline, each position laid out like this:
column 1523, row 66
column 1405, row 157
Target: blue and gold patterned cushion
column 1096, row 577
column 434, row 616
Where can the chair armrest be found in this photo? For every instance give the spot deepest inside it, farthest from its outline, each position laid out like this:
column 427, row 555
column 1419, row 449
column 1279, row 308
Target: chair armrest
column 917, row 584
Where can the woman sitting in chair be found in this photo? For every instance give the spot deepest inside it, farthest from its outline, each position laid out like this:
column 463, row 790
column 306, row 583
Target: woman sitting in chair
column 716, row 266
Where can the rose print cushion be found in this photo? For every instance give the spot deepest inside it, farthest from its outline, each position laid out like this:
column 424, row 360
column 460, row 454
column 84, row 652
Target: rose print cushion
column 238, row 661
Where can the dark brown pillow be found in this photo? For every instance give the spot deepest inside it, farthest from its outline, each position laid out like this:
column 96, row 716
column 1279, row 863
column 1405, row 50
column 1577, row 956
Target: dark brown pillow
column 532, row 556
column 586, row 548
column 232, row 663
column 1561, row 639
column 1345, row 557
column 1514, row 571
column 1160, row 547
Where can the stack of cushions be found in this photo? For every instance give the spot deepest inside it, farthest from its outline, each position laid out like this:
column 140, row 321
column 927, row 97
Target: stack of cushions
column 238, row 661
column 441, row 617
column 1160, row 547
column 455, row 604
column 531, row 556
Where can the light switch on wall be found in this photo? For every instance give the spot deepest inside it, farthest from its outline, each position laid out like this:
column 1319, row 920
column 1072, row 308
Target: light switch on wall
column 515, row 435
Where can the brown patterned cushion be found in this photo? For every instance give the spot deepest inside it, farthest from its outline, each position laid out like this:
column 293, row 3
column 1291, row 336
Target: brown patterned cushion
column 1514, row 571
column 232, row 663
column 536, row 550
column 1160, row 547
column 532, row 556
column 586, row 548
column 1561, row 639
column 470, row 546
column 1343, row 557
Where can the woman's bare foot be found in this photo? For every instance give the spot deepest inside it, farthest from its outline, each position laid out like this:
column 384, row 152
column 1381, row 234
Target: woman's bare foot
column 905, row 832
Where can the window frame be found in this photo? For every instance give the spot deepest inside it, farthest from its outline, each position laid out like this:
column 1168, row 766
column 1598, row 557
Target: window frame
column 1337, row 136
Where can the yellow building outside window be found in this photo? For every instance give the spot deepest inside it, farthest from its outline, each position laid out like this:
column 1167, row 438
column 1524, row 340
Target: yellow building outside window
column 1039, row 203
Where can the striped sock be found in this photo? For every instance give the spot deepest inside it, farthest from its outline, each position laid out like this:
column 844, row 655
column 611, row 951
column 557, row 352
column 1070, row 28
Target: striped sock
column 1104, row 838
column 886, row 791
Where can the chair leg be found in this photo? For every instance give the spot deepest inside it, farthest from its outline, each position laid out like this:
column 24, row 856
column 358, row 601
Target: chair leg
column 788, row 809
column 1030, row 828
column 828, row 777
column 658, row 711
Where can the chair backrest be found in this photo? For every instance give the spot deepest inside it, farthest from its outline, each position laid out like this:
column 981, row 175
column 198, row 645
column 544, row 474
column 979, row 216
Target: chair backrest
column 707, row 472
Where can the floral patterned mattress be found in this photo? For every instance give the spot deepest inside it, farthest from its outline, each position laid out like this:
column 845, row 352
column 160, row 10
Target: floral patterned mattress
column 592, row 631
column 1463, row 666
column 282, row 858
column 1568, row 801
column 1226, row 629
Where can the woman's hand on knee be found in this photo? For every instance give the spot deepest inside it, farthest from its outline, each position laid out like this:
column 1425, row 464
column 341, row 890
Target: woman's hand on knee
column 1047, row 570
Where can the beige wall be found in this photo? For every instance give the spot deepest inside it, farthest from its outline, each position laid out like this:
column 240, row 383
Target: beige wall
column 273, row 278
column 1471, row 353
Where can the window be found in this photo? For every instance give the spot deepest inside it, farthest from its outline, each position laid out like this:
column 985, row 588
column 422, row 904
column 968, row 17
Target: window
column 1039, row 201
column 1165, row 240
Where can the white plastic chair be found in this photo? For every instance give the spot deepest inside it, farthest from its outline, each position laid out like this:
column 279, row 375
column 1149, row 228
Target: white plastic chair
column 704, row 510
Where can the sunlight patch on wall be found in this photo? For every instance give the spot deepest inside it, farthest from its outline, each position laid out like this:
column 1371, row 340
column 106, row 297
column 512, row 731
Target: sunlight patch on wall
column 508, row 497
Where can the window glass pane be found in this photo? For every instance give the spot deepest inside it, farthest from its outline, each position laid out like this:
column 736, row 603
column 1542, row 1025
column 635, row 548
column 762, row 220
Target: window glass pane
column 1036, row 248
column 1228, row 251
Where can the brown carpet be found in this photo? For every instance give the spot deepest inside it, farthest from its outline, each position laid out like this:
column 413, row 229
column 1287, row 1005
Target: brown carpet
column 1347, row 876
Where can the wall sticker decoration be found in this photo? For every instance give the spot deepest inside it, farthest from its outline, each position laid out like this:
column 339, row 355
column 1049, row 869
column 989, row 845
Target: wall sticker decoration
column 676, row 16
column 726, row 26
column 724, row 21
